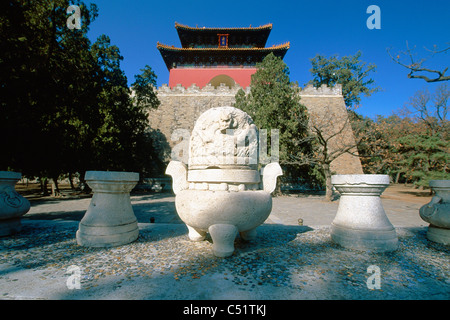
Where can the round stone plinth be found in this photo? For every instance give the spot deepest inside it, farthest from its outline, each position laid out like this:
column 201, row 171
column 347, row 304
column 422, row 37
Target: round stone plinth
column 439, row 235
column 107, row 236
column 360, row 221
column 359, row 239
column 109, row 220
column 10, row 226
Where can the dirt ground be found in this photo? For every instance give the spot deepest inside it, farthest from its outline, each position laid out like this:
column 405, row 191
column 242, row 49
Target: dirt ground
column 407, row 193
column 32, row 191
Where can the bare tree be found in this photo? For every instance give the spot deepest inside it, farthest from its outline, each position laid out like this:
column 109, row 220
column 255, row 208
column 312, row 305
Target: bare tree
column 417, row 70
column 331, row 135
column 432, row 109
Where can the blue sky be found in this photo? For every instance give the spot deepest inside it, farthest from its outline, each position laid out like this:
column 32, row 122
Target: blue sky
column 312, row 27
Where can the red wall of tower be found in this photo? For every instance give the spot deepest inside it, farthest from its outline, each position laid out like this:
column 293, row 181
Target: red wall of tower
column 202, row 76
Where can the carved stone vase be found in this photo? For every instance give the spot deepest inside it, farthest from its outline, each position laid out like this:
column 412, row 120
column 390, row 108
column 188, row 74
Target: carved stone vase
column 221, row 192
column 109, row 220
column 12, row 205
column 437, row 212
column 361, row 222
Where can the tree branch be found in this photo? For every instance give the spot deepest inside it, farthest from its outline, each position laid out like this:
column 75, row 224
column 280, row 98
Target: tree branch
column 416, row 66
column 441, row 76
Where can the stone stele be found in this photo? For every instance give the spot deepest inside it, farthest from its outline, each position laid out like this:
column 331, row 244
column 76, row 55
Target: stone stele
column 221, row 190
column 360, row 221
column 109, row 220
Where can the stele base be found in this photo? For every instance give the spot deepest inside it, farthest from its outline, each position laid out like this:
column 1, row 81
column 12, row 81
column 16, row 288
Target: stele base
column 361, row 222
column 109, row 220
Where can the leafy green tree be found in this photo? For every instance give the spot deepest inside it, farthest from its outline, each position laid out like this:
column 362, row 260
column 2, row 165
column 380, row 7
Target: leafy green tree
column 65, row 105
column 122, row 140
column 149, row 153
column 413, row 147
column 426, row 158
column 109, row 146
column 274, row 103
column 144, row 88
column 45, row 69
column 427, row 151
column 349, row 71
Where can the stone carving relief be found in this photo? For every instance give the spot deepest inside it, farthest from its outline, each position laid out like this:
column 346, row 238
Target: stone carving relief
column 224, row 137
column 11, row 197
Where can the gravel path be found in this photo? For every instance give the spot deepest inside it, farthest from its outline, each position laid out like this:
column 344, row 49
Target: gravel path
column 287, row 262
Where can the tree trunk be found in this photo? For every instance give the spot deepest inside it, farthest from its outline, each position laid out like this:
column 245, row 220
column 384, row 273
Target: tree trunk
column 83, row 185
column 43, row 181
column 328, row 185
column 397, row 176
column 55, row 187
column 277, row 191
column 71, row 181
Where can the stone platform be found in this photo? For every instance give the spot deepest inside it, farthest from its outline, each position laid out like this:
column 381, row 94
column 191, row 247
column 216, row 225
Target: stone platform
column 289, row 261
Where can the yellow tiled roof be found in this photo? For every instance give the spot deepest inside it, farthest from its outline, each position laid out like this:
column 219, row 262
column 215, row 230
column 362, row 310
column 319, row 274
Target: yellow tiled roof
column 266, row 26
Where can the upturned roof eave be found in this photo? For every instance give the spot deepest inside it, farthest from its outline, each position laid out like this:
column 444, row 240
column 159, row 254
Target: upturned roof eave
column 167, row 52
column 173, row 48
column 267, row 26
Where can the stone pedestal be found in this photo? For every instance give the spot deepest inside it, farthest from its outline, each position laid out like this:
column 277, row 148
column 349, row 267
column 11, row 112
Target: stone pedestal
column 12, row 205
column 360, row 221
column 437, row 212
column 109, row 220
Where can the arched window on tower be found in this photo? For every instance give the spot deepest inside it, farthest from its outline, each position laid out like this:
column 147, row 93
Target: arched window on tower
column 222, row 78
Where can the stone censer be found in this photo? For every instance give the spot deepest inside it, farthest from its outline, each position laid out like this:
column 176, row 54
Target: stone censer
column 221, row 191
column 437, row 212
